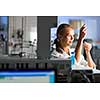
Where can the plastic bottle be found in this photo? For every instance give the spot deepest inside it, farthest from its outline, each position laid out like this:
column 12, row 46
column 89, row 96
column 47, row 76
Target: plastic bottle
column 72, row 59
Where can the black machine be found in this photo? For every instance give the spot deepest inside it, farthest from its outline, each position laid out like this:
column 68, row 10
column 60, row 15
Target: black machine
column 82, row 76
column 62, row 69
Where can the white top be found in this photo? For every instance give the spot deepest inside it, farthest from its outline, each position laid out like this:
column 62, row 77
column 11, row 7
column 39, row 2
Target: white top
column 59, row 56
column 81, row 65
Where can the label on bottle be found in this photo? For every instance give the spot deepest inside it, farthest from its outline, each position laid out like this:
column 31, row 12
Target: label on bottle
column 72, row 59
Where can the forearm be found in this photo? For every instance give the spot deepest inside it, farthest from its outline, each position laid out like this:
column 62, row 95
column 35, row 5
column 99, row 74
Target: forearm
column 78, row 49
column 89, row 60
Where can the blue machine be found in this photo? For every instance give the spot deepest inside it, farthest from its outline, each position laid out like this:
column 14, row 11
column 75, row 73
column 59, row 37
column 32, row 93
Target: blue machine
column 35, row 76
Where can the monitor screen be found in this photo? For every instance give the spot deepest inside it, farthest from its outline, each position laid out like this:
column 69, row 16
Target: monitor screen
column 39, row 76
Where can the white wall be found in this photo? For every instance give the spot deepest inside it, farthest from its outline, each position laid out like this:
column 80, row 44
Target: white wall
column 92, row 22
column 29, row 28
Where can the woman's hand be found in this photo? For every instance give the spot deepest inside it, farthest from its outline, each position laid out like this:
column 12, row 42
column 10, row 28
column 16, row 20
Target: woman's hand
column 83, row 31
column 87, row 46
column 90, row 61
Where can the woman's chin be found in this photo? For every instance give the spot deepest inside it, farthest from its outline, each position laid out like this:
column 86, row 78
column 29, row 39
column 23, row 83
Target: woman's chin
column 70, row 44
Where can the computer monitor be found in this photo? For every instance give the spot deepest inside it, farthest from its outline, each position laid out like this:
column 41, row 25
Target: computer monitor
column 35, row 76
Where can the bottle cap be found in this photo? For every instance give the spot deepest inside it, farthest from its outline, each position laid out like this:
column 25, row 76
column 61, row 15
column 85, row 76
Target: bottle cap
column 72, row 52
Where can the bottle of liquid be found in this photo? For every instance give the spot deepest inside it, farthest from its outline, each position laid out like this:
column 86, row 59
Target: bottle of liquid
column 72, row 59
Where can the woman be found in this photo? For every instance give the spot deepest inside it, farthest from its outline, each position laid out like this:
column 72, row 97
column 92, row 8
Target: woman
column 64, row 40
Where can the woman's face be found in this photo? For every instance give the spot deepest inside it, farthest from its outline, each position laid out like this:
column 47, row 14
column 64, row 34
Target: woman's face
column 69, row 36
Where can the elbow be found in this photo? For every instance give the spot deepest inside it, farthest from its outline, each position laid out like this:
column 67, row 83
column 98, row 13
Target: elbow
column 77, row 59
column 92, row 65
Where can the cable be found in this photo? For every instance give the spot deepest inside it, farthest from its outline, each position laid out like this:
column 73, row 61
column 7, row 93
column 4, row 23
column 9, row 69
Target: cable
column 85, row 77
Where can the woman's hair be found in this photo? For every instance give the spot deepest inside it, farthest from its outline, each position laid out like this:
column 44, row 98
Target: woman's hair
column 60, row 41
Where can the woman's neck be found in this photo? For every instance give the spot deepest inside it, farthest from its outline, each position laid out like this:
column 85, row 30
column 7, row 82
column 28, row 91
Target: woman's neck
column 67, row 50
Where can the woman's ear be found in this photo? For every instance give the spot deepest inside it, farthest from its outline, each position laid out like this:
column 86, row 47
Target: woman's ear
column 59, row 36
column 57, row 40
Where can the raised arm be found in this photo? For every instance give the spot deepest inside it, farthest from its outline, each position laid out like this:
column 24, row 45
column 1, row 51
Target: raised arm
column 80, row 43
column 87, row 47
